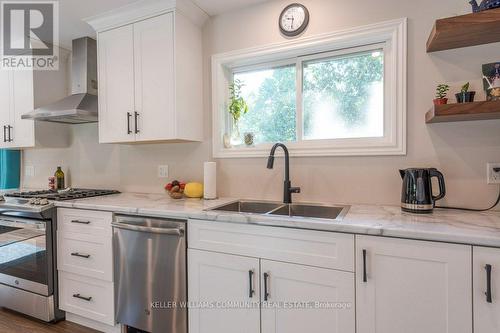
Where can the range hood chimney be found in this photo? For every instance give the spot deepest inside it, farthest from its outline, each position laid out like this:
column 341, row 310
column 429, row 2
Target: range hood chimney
column 81, row 106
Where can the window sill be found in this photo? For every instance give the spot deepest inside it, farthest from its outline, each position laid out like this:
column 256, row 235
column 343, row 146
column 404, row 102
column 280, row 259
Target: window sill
column 263, row 151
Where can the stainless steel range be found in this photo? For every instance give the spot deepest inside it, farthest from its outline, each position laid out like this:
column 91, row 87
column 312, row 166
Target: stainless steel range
column 28, row 274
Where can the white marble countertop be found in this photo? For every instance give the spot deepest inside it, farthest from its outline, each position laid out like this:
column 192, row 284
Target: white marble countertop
column 443, row 225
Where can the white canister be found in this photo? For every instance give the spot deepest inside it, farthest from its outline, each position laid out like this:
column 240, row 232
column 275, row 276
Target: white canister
column 210, row 180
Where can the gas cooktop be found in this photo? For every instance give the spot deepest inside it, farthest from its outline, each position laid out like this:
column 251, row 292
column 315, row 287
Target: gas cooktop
column 68, row 194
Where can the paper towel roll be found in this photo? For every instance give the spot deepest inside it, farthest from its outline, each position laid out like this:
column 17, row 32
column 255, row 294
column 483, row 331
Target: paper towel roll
column 210, row 180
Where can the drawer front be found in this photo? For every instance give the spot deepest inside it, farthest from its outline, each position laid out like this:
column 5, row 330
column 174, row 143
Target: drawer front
column 84, row 221
column 308, row 247
column 85, row 254
column 89, row 298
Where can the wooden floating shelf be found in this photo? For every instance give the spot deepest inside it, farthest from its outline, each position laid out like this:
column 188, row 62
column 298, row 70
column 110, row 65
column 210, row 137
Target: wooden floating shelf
column 463, row 112
column 465, row 30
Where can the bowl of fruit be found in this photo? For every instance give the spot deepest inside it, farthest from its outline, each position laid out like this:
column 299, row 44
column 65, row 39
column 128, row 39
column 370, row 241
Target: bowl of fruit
column 175, row 189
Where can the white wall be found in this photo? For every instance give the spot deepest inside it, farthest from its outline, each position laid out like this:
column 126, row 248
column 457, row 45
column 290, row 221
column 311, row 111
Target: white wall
column 459, row 150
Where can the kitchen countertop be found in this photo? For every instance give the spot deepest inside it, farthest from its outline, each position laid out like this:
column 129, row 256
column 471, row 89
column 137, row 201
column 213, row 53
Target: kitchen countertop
column 443, row 225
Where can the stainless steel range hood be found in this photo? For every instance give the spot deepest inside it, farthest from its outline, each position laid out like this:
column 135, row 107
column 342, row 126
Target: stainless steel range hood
column 81, row 106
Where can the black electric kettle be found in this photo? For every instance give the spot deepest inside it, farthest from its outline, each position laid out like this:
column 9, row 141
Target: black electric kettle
column 416, row 195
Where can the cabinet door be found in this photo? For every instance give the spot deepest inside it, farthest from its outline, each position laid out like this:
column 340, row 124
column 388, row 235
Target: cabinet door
column 6, row 105
column 116, row 85
column 306, row 299
column 22, row 130
column 486, row 270
column 154, row 78
column 223, row 278
column 412, row 286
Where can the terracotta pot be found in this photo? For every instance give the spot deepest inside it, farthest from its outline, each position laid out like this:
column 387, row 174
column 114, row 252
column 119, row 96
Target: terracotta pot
column 440, row 101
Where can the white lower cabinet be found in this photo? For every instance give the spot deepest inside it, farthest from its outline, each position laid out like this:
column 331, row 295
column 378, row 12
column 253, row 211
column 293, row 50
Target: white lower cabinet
column 306, row 299
column 253, row 290
column 412, row 286
column 486, row 291
column 85, row 267
column 215, row 277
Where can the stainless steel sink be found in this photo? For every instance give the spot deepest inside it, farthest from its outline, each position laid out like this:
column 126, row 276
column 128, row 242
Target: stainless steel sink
column 279, row 209
column 312, row 211
column 243, row 206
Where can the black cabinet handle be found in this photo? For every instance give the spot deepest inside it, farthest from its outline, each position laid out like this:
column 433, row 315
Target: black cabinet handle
column 129, row 115
column 80, row 222
column 5, row 134
column 88, row 299
column 9, row 128
column 266, row 290
column 489, row 297
column 136, row 115
column 76, row 254
column 365, row 278
column 250, row 279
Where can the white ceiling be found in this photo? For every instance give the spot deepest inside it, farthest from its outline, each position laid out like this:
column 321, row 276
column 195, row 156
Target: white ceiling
column 71, row 13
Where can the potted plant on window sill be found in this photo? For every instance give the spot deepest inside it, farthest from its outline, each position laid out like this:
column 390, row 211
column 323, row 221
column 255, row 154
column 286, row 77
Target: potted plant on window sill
column 237, row 108
column 465, row 96
column 441, row 92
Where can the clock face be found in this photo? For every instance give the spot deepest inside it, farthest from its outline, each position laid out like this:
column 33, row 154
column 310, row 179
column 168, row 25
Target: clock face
column 293, row 20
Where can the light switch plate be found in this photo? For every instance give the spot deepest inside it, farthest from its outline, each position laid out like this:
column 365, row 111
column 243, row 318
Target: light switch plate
column 162, row 171
column 493, row 177
column 29, row 171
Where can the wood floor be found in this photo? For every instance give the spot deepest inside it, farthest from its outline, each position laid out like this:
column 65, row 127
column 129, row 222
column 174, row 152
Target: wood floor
column 12, row 322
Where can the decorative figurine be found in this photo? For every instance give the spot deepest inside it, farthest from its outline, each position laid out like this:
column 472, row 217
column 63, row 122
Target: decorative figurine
column 485, row 5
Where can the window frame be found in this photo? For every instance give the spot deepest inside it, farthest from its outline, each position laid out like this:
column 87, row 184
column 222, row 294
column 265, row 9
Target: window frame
column 390, row 36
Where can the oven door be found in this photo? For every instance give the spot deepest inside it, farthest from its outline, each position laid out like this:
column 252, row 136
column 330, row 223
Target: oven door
column 24, row 260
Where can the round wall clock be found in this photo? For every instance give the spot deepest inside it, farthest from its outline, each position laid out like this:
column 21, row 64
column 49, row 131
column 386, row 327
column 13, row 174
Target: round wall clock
column 293, row 20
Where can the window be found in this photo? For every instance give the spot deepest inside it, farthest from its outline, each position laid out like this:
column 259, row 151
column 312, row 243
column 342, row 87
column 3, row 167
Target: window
column 338, row 94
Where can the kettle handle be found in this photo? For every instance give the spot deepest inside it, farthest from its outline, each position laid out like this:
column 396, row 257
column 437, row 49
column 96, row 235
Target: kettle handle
column 442, row 188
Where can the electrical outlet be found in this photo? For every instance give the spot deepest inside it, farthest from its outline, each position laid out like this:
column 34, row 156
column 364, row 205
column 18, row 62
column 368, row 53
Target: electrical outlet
column 29, row 171
column 162, row 171
column 493, row 176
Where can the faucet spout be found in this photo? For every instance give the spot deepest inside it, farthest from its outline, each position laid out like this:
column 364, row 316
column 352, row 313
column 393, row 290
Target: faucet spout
column 287, row 185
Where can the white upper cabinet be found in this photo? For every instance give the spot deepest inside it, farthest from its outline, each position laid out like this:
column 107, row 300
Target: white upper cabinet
column 116, row 85
column 412, row 286
column 486, row 291
column 150, row 72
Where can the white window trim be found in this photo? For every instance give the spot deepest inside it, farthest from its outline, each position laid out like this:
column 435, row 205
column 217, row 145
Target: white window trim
column 391, row 33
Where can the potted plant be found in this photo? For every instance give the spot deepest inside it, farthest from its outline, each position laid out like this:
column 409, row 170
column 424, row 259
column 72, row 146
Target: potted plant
column 441, row 92
column 237, row 108
column 465, row 96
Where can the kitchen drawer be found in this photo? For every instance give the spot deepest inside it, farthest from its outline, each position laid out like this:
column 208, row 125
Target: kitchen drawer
column 84, row 221
column 97, row 298
column 308, row 247
column 87, row 255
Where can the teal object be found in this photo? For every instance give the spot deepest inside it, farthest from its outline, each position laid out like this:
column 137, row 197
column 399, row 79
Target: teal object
column 10, row 169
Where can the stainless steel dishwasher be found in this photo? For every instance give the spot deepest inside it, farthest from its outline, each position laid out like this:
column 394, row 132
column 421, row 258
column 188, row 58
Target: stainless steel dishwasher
column 150, row 274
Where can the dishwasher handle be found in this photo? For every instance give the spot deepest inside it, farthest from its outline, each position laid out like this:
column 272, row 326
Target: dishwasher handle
column 165, row 231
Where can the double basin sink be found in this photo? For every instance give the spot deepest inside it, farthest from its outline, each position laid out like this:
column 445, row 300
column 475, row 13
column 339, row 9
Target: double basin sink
column 314, row 211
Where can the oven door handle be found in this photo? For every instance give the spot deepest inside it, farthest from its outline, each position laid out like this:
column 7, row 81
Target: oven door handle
column 165, row 231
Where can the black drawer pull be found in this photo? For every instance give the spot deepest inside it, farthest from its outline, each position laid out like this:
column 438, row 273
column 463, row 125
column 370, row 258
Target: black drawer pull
column 88, row 299
column 80, row 222
column 489, row 296
column 365, row 278
column 266, row 287
column 250, row 279
column 76, row 254
column 129, row 115
column 5, row 134
column 136, row 115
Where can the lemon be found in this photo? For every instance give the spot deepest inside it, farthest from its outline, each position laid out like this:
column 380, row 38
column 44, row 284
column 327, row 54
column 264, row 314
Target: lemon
column 193, row 190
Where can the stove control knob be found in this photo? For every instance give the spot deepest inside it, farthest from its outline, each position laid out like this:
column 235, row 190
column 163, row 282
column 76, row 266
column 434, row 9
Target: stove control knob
column 44, row 202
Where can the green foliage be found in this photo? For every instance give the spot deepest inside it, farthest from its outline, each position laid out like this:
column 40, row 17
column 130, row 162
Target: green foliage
column 272, row 112
column 465, row 88
column 345, row 81
column 237, row 106
column 442, row 90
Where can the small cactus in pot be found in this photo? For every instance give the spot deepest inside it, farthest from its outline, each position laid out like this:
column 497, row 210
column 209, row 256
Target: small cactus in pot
column 465, row 96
